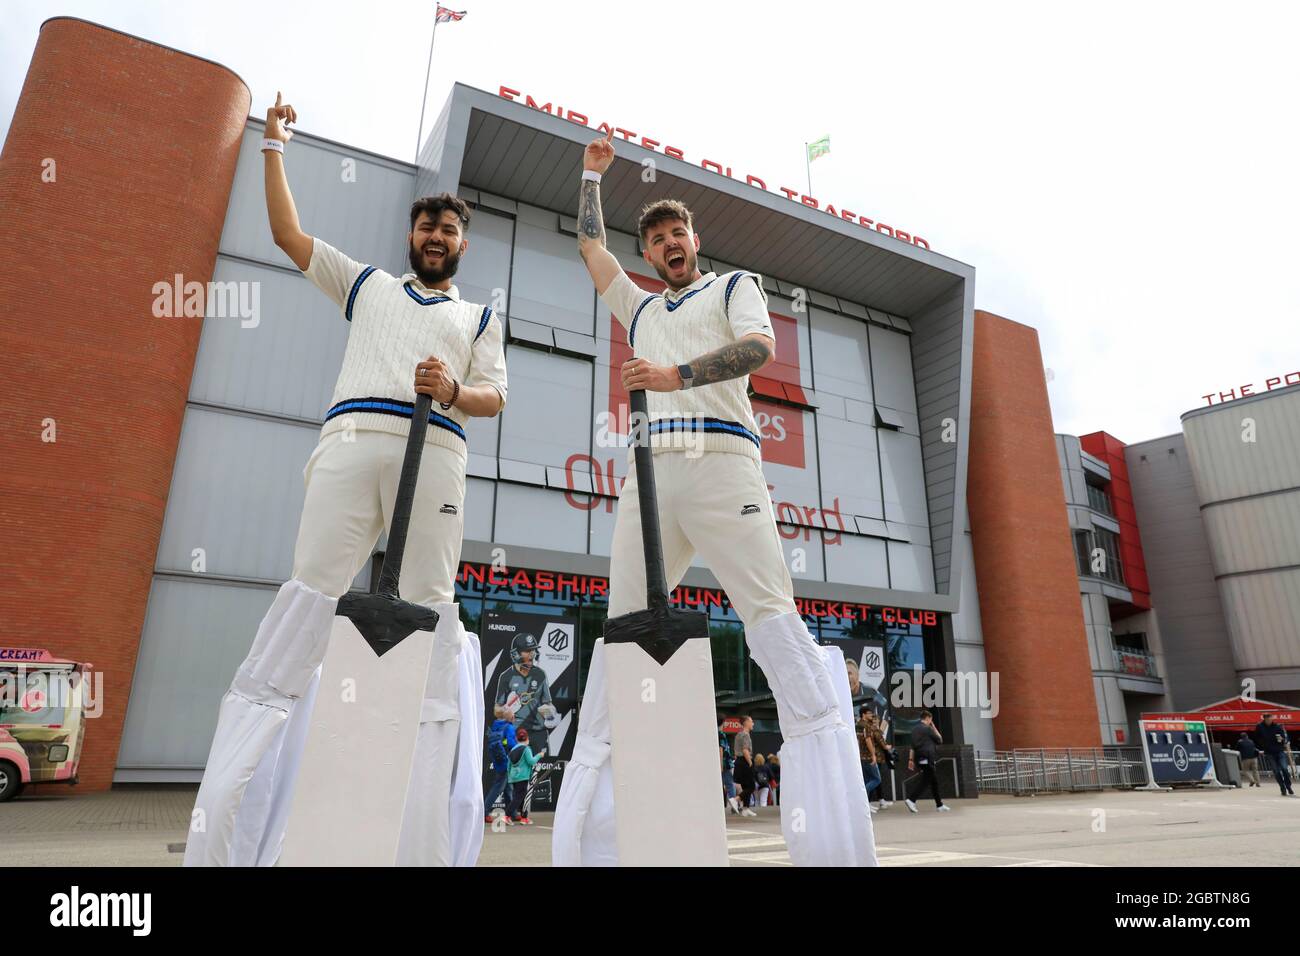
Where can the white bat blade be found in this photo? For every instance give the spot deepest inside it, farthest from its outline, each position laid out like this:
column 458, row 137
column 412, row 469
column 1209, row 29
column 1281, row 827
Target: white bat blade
column 356, row 766
column 667, row 776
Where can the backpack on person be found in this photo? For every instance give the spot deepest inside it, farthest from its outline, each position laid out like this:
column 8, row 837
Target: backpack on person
column 496, row 744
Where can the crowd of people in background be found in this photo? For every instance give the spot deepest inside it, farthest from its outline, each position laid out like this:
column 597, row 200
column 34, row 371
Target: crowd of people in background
column 749, row 779
column 1269, row 738
column 752, row 780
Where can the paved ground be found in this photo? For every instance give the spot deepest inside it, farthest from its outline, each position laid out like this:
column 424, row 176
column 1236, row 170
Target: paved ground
column 146, row 827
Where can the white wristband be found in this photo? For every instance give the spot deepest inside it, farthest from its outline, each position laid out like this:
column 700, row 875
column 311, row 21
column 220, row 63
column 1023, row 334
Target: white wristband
column 591, row 174
column 274, row 144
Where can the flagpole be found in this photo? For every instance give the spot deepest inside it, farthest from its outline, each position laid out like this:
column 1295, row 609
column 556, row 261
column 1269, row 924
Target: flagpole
column 807, row 164
column 419, row 136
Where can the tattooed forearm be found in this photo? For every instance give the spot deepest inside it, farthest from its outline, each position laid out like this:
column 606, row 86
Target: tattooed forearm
column 730, row 361
column 591, row 220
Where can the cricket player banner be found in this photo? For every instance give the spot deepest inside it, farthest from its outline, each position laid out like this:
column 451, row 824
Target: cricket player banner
column 866, row 664
column 530, row 668
column 1177, row 751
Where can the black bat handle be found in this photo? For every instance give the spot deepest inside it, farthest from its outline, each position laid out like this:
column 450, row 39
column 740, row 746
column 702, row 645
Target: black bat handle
column 656, row 581
column 392, row 570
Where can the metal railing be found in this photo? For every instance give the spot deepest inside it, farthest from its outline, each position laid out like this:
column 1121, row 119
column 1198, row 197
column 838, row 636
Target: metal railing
column 1057, row 770
column 1135, row 662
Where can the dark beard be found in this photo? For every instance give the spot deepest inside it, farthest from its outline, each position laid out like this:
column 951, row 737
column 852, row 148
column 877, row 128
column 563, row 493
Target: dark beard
column 431, row 277
column 692, row 263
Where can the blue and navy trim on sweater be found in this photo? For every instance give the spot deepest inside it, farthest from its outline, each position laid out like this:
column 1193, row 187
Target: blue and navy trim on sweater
column 356, row 287
column 483, row 321
column 670, row 306
column 660, row 425
column 391, row 406
column 731, row 286
column 425, row 300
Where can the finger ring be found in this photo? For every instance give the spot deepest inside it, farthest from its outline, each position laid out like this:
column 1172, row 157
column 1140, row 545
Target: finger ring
column 423, row 371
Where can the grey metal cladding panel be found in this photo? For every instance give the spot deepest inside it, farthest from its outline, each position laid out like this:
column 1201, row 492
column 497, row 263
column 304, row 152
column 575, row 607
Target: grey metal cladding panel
column 287, row 362
column 367, row 219
column 522, row 471
column 485, row 266
column 943, row 387
column 550, row 284
column 840, row 355
column 195, row 635
column 891, row 370
column 541, row 218
column 481, row 432
column 849, row 468
column 533, row 516
column 572, row 342
column 237, row 493
column 480, row 500
column 1255, row 534
column 601, row 536
column 548, row 417
column 1262, row 611
column 432, row 150
column 1225, row 465
column 904, row 477
column 803, row 552
column 533, row 332
column 857, row 560
column 911, row 567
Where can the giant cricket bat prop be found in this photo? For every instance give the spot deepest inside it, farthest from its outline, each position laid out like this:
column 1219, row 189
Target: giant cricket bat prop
column 351, row 793
column 659, row 683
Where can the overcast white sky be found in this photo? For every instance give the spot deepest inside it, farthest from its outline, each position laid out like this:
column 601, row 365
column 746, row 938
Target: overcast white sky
column 1123, row 176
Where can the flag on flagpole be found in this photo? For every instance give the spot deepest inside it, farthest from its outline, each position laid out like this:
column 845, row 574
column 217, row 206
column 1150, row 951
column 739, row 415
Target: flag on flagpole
column 819, row 148
column 449, row 16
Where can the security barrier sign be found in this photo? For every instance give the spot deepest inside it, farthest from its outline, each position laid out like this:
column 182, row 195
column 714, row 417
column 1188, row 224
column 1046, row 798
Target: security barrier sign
column 1177, row 751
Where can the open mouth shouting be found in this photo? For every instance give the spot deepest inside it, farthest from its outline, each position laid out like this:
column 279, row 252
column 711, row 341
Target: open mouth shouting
column 435, row 254
column 675, row 260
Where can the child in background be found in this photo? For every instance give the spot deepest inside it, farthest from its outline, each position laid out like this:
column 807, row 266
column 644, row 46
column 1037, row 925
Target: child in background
column 522, row 761
column 500, row 741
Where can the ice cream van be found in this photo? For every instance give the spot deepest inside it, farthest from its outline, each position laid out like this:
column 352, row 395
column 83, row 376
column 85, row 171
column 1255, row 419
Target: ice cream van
column 42, row 718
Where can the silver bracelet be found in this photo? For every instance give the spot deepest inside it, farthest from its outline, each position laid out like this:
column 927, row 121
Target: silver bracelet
column 274, row 144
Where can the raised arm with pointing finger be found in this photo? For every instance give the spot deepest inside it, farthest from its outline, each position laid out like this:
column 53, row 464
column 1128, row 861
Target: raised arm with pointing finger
column 280, row 210
column 749, row 353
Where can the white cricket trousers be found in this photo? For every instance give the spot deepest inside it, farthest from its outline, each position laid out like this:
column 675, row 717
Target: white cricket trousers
column 718, row 504
column 351, row 489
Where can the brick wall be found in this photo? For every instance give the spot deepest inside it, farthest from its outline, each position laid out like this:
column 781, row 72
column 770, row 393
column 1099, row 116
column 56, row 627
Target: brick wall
column 143, row 142
column 1030, row 609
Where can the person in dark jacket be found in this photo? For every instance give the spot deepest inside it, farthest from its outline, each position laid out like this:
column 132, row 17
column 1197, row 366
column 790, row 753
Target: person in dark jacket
column 1273, row 740
column 1249, row 759
column 500, row 741
column 924, row 756
column 762, row 780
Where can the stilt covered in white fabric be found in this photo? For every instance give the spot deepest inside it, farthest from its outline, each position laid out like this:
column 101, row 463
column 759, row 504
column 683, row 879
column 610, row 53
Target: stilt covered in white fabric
column 824, row 813
column 248, row 788
column 825, row 818
column 253, row 720
column 584, row 833
column 442, row 824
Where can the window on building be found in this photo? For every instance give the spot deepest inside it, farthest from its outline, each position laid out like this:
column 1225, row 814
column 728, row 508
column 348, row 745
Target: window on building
column 1108, row 541
column 1083, row 552
column 1098, row 500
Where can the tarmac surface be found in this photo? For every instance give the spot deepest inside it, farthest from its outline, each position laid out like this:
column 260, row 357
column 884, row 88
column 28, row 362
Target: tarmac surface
column 146, row 826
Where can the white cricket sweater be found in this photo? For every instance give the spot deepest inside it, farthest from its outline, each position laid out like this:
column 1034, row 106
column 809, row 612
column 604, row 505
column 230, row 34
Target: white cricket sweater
column 396, row 324
column 672, row 328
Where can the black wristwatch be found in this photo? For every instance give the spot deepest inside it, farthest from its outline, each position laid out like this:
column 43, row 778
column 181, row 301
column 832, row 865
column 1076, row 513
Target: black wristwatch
column 687, row 375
